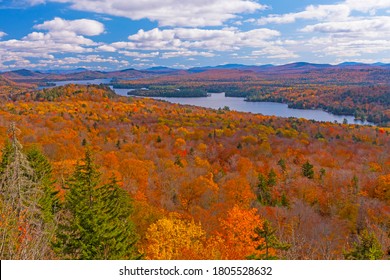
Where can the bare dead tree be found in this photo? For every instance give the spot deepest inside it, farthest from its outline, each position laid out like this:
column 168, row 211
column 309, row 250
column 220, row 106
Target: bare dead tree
column 22, row 233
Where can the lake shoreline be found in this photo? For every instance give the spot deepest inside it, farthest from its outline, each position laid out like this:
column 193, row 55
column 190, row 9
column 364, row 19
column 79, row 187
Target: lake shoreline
column 239, row 104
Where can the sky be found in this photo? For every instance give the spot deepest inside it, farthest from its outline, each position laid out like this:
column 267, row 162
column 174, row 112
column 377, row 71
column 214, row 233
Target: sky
column 119, row 34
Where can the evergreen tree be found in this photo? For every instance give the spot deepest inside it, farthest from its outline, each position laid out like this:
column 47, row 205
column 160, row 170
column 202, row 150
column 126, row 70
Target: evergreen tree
column 367, row 248
column 267, row 249
column 282, row 164
column 322, row 175
column 271, row 178
column 307, row 170
column 264, row 187
column 43, row 177
column 7, row 154
column 96, row 218
column 117, row 230
column 284, row 200
column 263, row 190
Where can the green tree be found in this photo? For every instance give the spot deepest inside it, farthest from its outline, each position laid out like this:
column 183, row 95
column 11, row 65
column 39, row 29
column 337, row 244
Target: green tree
column 366, row 248
column 264, row 187
column 7, row 155
column 322, row 174
column 117, row 229
column 354, row 186
column 267, row 249
column 282, row 164
column 308, row 170
column 284, row 200
column 272, row 179
column 43, row 177
column 263, row 190
column 96, row 221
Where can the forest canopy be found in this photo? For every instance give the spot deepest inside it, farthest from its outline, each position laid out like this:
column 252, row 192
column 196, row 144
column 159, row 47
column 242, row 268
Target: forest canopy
column 207, row 184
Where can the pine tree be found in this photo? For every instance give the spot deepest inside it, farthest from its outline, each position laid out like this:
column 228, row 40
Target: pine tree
column 6, row 158
column 43, row 177
column 263, row 190
column 264, row 187
column 307, row 170
column 267, row 249
column 284, row 200
column 96, row 218
column 117, row 230
column 282, row 164
column 366, row 248
column 271, row 178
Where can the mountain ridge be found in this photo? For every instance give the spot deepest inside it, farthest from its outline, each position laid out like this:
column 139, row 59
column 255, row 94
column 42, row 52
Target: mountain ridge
column 38, row 76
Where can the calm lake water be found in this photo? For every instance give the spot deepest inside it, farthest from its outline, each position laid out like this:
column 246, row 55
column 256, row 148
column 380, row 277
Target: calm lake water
column 218, row 100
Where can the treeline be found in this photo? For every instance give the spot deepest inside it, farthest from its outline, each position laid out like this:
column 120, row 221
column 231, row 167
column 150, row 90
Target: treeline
column 369, row 103
column 162, row 90
column 72, row 91
column 168, row 92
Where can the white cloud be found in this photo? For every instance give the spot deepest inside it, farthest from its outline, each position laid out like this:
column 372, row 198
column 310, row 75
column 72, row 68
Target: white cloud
column 186, row 53
column 57, row 38
column 192, row 42
column 193, row 38
column 274, row 52
column 353, row 38
column 139, row 55
column 142, row 59
column 328, row 12
column 169, row 12
column 320, row 12
column 376, row 27
column 82, row 59
column 2, row 34
column 347, row 48
column 80, row 26
column 63, row 36
column 106, row 48
column 36, row 2
column 39, row 48
column 367, row 5
column 348, row 29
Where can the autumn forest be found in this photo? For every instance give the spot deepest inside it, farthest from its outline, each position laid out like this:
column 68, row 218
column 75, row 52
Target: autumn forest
column 88, row 174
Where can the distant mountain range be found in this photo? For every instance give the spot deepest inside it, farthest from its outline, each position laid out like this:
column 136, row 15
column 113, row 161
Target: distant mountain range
column 42, row 76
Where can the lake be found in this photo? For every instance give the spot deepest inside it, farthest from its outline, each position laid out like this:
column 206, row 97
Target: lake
column 219, row 100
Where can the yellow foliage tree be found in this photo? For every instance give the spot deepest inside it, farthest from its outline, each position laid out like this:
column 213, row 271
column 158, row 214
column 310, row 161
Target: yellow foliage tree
column 382, row 190
column 173, row 238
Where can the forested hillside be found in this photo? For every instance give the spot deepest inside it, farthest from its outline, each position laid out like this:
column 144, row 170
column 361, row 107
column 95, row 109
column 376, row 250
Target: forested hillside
column 86, row 174
column 363, row 92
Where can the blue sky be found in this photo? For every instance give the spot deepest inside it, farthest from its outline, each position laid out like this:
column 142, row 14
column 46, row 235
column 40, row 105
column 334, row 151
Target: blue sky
column 118, row 34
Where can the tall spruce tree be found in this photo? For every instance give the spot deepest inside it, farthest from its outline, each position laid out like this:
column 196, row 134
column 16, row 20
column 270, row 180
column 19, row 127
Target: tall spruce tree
column 366, row 248
column 308, row 170
column 96, row 218
column 43, row 177
column 117, row 230
column 264, row 188
column 270, row 243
